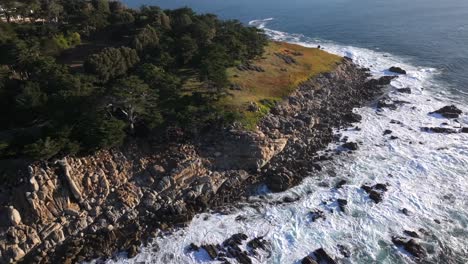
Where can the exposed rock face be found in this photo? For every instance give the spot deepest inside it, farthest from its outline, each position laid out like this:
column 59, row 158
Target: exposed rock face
column 88, row 207
column 308, row 116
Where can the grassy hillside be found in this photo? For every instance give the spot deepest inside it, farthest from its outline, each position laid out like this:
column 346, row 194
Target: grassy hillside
column 281, row 69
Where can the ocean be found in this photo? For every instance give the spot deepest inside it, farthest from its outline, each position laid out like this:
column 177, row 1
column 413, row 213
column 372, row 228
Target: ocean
column 427, row 173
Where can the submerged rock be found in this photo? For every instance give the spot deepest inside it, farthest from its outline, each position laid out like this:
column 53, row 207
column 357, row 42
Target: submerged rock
column 411, row 234
column 316, row 215
column 450, row 111
column 397, row 70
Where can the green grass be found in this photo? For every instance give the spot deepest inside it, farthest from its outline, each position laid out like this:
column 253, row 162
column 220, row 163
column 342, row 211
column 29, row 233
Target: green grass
column 267, row 88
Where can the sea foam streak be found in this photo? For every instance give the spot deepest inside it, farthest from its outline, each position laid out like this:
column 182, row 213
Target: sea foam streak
column 427, row 174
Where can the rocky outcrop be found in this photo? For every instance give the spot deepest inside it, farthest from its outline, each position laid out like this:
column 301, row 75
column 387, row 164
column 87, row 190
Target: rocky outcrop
column 449, row 111
column 88, row 207
column 307, row 118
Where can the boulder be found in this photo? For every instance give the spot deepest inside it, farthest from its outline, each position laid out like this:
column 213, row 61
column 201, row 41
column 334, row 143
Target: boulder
column 14, row 216
column 397, row 70
column 450, row 111
column 464, row 130
column 14, row 253
column 350, row 145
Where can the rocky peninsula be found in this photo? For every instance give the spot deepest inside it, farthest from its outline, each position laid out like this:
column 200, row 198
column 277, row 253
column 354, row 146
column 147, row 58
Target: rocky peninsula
column 89, row 207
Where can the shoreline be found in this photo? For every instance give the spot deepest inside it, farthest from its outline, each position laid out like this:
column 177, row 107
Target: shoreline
column 141, row 191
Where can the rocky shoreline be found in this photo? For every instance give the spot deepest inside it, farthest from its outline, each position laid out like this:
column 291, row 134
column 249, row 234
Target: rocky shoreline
column 83, row 208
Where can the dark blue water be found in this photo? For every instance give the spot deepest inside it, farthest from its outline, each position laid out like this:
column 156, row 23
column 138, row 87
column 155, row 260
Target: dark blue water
column 431, row 33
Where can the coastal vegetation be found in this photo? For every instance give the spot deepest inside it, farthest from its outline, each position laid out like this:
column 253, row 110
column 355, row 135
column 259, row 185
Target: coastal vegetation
column 78, row 76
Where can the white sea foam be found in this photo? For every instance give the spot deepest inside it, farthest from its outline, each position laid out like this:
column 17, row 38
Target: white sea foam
column 427, row 174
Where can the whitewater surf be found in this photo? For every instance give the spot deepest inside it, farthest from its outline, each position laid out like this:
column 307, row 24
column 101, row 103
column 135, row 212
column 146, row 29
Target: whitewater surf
column 426, row 175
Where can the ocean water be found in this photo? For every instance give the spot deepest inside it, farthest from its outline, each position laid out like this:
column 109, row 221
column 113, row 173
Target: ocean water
column 427, row 173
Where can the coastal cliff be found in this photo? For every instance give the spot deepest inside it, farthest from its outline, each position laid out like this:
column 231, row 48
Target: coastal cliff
column 81, row 208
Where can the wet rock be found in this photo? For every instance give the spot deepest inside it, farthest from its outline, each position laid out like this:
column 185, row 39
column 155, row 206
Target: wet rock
column 344, row 250
column 342, row 203
column 235, row 240
column 279, row 181
column 375, row 192
column 211, row 250
column 397, row 70
column 387, row 102
column 411, row 234
column 387, row 132
column 393, row 121
column 340, row 184
column 289, row 199
column 192, row 247
column 132, row 251
column 352, row 118
column 450, row 111
column 308, row 260
column 257, row 243
column 405, row 211
column 439, row 130
column 404, row 90
column 350, row 146
column 323, row 257
column 411, row 246
column 317, row 214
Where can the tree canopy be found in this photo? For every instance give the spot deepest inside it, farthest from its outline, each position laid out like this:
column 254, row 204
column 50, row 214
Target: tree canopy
column 77, row 75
